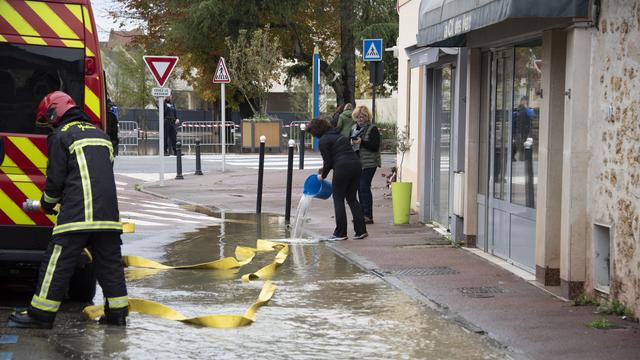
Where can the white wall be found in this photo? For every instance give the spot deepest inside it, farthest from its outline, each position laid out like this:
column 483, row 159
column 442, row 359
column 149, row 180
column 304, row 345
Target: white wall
column 409, row 94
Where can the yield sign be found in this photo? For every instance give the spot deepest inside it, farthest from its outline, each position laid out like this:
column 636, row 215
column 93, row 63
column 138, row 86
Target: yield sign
column 221, row 76
column 161, row 67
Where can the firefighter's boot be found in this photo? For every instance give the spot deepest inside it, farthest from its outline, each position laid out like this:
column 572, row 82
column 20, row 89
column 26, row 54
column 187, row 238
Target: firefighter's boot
column 22, row 319
column 116, row 317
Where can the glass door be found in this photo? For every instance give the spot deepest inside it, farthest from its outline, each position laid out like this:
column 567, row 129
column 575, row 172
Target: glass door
column 500, row 143
column 515, row 107
column 441, row 160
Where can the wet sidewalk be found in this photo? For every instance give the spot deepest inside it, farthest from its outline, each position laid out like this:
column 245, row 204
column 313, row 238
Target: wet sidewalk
column 468, row 289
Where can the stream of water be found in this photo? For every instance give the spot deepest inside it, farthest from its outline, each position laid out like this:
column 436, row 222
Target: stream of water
column 301, row 217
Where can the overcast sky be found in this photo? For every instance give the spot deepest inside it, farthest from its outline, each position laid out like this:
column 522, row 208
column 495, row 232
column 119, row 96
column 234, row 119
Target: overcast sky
column 104, row 22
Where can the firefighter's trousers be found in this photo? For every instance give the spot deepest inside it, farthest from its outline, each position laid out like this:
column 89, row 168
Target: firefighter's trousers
column 60, row 261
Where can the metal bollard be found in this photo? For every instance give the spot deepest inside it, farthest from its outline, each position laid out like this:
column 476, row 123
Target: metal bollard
column 198, row 164
column 263, row 139
column 303, row 127
column 287, row 210
column 179, row 161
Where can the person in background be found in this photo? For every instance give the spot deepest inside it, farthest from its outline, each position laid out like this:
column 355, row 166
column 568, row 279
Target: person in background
column 345, row 121
column 336, row 115
column 337, row 155
column 366, row 138
column 112, row 125
column 170, row 122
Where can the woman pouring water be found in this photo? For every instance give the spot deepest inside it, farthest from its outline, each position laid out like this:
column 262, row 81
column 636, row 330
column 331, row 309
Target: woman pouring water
column 338, row 155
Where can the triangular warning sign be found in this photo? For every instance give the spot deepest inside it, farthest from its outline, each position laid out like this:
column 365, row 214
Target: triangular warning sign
column 373, row 53
column 161, row 67
column 221, row 76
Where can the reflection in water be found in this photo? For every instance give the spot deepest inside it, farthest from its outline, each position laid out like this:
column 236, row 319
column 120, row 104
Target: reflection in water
column 324, row 307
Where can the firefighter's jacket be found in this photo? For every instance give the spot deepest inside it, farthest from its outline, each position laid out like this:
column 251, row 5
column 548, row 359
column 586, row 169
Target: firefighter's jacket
column 80, row 176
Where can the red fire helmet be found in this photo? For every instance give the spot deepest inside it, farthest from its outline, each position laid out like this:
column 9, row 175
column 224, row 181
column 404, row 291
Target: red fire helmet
column 52, row 108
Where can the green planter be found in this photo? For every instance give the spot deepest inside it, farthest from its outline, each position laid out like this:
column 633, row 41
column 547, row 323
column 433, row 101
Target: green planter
column 401, row 200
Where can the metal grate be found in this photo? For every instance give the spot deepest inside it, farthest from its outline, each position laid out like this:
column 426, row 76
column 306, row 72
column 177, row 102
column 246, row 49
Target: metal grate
column 419, row 271
column 481, row 292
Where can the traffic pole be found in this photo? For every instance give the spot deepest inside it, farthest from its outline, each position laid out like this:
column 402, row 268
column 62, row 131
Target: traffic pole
column 198, row 163
column 161, row 135
column 263, row 139
column 179, row 161
column 224, row 127
column 303, row 128
column 287, row 210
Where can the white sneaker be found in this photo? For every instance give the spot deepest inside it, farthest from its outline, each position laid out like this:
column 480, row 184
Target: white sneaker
column 361, row 236
column 336, row 238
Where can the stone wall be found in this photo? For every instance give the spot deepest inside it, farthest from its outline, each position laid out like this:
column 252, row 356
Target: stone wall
column 614, row 137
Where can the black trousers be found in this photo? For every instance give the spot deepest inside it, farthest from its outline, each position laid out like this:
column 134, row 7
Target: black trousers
column 346, row 178
column 60, row 262
column 170, row 136
column 364, row 191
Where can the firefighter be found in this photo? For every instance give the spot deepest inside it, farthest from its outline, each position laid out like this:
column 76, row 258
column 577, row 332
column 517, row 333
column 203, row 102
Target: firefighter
column 80, row 178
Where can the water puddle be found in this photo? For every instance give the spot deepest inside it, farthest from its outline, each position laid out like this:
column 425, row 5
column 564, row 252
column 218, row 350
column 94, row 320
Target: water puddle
column 324, row 307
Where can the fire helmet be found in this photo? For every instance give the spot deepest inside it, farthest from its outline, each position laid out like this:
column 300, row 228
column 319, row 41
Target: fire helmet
column 53, row 107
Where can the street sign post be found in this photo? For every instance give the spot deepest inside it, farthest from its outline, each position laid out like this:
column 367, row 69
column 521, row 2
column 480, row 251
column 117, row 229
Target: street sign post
column 161, row 67
column 221, row 76
column 372, row 52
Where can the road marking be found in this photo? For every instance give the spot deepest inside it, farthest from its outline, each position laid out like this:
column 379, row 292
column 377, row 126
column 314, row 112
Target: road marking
column 142, row 222
column 120, row 183
column 133, row 214
column 161, row 204
column 188, row 216
column 6, row 355
column 155, row 206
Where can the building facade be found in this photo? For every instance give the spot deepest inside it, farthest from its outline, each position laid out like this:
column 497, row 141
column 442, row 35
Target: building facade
column 535, row 109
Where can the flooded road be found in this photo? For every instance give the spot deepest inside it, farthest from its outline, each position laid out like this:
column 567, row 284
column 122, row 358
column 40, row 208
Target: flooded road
column 324, row 307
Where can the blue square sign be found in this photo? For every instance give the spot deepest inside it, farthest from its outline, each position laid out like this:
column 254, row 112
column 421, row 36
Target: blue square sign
column 372, row 49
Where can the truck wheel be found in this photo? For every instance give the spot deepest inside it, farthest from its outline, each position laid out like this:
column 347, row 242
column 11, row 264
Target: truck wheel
column 83, row 284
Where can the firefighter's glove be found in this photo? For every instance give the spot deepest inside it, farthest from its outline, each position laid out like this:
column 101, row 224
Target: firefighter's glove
column 48, row 208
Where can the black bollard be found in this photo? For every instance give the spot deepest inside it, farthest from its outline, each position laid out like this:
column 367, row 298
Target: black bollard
column 287, row 210
column 198, row 164
column 528, row 167
column 303, row 127
column 260, row 175
column 179, row 161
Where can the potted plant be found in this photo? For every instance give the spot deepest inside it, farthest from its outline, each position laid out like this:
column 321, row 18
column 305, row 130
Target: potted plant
column 401, row 191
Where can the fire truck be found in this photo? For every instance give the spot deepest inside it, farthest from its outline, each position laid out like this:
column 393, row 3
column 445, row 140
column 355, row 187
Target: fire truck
column 44, row 46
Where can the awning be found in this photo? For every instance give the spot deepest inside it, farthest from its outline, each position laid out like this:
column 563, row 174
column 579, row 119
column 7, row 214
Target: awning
column 445, row 22
column 419, row 56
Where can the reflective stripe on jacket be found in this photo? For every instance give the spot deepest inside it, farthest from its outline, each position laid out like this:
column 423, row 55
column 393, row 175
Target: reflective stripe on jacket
column 80, row 176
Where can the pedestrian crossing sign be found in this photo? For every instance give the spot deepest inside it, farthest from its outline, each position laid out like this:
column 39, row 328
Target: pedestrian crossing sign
column 221, row 76
column 372, row 49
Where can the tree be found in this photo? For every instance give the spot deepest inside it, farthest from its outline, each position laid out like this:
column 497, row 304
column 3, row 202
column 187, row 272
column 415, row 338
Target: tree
column 253, row 66
column 196, row 29
column 129, row 86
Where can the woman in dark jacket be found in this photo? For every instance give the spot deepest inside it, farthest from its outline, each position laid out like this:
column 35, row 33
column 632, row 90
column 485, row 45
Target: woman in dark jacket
column 338, row 155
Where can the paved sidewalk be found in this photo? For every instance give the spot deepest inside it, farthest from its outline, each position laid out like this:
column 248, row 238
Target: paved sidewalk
column 470, row 290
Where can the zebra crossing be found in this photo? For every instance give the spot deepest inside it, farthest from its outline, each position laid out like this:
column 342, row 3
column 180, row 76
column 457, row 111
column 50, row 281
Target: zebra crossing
column 271, row 162
column 155, row 214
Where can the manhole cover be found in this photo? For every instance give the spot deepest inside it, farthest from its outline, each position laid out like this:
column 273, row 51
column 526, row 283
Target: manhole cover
column 481, row 292
column 420, row 271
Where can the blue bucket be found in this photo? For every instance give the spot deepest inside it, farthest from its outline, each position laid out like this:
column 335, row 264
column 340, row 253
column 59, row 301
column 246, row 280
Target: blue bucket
column 316, row 188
